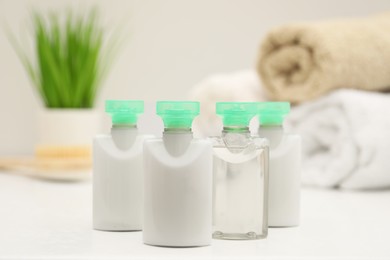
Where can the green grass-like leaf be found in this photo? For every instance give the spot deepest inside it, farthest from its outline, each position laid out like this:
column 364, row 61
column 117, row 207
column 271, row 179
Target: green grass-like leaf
column 72, row 58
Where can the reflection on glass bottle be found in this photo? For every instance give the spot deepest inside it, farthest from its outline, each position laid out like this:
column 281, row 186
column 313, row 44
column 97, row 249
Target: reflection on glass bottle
column 240, row 176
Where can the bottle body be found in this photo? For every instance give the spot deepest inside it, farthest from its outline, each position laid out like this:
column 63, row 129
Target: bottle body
column 284, row 180
column 177, row 200
column 240, row 175
column 118, row 182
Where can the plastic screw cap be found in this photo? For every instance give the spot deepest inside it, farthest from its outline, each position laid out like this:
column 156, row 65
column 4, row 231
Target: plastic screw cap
column 236, row 113
column 124, row 111
column 177, row 114
column 272, row 113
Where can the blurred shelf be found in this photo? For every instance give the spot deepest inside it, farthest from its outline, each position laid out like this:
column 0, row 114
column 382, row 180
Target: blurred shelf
column 49, row 220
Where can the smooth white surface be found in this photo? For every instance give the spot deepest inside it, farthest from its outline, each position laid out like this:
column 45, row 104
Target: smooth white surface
column 118, row 181
column 54, row 220
column 284, row 177
column 177, row 191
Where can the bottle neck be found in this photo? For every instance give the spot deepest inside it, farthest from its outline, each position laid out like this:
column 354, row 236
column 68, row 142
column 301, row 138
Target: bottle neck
column 177, row 140
column 124, row 135
column 236, row 136
column 235, row 130
column 274, row 134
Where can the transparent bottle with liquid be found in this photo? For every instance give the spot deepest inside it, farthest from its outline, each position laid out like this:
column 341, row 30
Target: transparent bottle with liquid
column 118, row 170
column 178, row 181
column 240, row 175
column 285, row 165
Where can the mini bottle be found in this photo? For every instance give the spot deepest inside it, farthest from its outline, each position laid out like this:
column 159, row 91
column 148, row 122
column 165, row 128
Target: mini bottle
column 240, row 176
column 285, row 165
column 178, row 181
column 118, row 170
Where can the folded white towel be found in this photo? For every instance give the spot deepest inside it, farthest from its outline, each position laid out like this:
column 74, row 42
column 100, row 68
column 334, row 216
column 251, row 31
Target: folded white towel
column 346, row 135
column 346, row 139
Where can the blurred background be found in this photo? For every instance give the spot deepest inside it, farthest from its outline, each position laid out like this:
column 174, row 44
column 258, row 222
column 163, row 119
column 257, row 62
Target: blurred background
column 215, row 51
column 172, row 45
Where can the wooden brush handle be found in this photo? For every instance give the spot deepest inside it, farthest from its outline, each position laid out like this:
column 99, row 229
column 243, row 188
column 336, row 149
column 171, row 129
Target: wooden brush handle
column 12, row 163
column 44, row 164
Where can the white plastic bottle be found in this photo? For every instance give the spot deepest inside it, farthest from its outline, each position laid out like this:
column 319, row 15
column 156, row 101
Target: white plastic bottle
column 118, row 170
column 240, row 176
column 178, row 181
column 284, row 165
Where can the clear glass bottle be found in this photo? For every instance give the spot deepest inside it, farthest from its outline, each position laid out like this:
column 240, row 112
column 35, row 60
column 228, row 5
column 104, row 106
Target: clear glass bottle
column 240, row 176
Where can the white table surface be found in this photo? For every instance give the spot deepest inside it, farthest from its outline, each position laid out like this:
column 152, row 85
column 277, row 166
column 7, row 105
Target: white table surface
column 48, row 220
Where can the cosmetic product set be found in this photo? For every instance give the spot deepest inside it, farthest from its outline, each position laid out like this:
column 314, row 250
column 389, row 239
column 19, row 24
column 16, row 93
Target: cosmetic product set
column 183, row 191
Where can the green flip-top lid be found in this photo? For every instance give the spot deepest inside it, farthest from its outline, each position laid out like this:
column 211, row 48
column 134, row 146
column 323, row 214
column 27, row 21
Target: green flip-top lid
column 272, row 113
column 236, row 113
column 177, row 114
column 124, row 111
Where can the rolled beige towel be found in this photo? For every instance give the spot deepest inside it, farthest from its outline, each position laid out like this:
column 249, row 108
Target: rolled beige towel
column 302, row 61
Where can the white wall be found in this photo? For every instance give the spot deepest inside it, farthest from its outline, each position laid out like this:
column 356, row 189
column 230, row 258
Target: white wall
column 173, row 45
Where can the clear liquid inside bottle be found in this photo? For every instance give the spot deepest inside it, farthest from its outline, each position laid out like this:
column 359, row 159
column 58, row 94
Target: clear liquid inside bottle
column 240, row 177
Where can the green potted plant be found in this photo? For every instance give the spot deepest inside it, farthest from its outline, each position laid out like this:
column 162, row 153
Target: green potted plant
column 72, row 57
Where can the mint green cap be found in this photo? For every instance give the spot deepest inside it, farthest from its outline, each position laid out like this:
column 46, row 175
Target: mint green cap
column 236, row 113
column 272, row 113
column 177, row 114
column 124, row 111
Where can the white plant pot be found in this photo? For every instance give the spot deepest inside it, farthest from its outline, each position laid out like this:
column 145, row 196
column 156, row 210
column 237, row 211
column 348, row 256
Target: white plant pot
column 67, row 127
